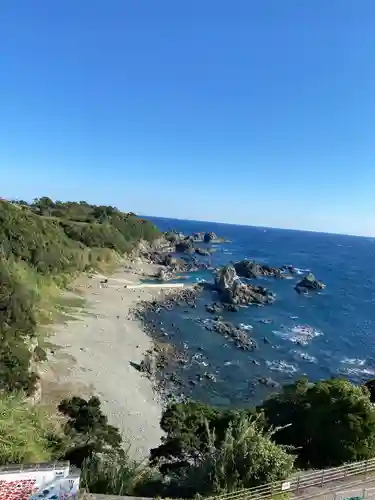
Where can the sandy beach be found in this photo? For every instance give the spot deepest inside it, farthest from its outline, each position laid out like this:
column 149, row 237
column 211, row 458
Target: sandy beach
column 93, row 355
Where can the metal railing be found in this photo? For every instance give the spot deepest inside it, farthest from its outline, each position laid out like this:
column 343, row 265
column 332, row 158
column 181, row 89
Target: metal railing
column 300, row 482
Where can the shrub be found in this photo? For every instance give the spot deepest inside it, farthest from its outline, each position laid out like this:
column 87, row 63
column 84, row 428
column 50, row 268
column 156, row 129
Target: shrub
column 246, row 457
column 114, row 475
column 88, row 429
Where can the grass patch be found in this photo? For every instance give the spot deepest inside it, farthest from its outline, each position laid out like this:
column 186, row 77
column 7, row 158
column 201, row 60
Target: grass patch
column 27, row 434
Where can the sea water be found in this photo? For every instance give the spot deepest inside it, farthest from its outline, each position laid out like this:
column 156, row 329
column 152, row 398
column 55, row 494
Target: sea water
column 325, row 334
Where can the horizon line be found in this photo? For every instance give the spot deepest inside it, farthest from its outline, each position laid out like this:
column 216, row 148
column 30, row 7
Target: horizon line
column 258, row 227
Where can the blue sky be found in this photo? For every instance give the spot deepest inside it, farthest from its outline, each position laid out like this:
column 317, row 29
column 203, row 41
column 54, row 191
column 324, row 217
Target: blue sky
column 252, row 112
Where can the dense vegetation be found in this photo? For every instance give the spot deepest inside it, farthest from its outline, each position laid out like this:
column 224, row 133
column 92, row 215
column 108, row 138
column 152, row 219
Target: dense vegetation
column 42, row 246
column 208, row 450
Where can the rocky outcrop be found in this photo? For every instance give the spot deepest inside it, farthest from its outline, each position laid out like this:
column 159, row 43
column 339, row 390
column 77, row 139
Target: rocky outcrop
column 164, row 274
column 210, row 236
column 174, row 236
column 233, row 291
column 239, row 335
column 309, row 282
column 214, row 308
column 198, row 236
column 185, row 245
column 250, row 269
column 202, row 251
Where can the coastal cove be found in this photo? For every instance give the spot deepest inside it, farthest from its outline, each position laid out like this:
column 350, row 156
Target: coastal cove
column 121, row 333
column 320, row 335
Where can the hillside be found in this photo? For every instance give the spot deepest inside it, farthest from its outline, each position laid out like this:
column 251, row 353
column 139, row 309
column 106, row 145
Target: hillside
column 42, row 246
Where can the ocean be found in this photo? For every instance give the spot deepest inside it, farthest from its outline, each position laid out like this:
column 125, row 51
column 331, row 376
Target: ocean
column 322, row 335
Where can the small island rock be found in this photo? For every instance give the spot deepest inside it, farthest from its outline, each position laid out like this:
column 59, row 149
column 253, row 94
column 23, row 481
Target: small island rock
column 309, row 282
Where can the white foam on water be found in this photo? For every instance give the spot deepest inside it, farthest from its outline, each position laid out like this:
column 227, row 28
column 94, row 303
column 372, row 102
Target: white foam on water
column 229, row 363
column 299, row 334
column 305, row 356
column 244, row 326
column 281, row 366
column 359, row 371
column 356, row 367
column 301, row 271
column 353, row 361
column 283, row 335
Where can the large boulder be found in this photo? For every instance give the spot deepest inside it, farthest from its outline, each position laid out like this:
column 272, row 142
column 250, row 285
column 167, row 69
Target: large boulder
column 198, row 236
column 309, row 282
column 210, row 236
column 250, row 269
column 233, row 291
column 202, row 251
column 174, row 236
column 185, row 245
column 164, row 275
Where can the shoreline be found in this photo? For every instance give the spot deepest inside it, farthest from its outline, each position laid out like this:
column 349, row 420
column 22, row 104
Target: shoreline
column 95, row 350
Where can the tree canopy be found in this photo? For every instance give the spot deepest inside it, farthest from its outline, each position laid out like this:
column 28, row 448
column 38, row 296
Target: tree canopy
column 88, row 428
column 329, row 422
column 246, row 456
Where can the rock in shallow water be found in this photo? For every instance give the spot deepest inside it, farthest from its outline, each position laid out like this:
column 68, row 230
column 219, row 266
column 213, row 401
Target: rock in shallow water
column 250, row 269
column 233, row 291
column 236, row 333
column 309, row 282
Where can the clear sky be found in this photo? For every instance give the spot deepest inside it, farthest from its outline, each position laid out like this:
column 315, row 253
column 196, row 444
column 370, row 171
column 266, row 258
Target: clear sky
column 255, row 112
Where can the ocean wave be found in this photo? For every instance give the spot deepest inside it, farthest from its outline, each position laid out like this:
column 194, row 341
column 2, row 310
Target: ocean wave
column 281, row 366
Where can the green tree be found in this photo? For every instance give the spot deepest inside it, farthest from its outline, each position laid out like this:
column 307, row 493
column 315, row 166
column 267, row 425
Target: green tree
column 185, row 437
column 88, row 429
column 329, row 423
column 245, row 457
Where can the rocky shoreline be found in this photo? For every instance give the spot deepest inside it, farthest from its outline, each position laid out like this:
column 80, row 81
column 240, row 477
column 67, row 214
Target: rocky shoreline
column 233, row 287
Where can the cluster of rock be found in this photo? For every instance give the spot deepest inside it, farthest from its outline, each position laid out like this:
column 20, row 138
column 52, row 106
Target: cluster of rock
column 217, row 308
column 177, row 297
column 159, row 357
column 237, row 334
column 309, row 282
column 163, row 253
column 233, row 291
column 176, row 237
column 250, row 269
